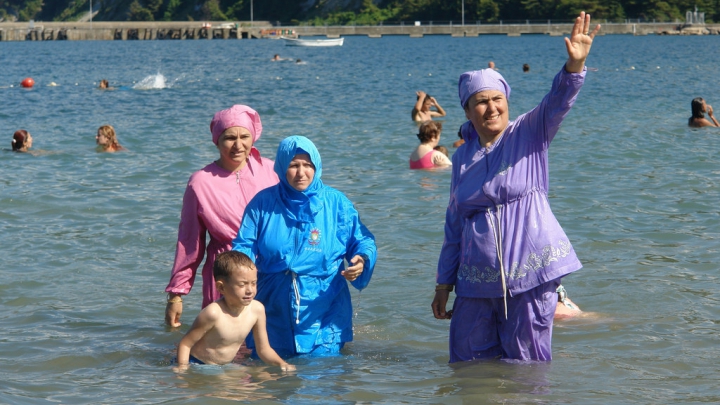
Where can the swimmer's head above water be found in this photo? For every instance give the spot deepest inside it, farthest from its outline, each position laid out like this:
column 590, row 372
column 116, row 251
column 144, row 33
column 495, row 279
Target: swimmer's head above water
column 429, row 130
column 697, row 105
column 22, row 141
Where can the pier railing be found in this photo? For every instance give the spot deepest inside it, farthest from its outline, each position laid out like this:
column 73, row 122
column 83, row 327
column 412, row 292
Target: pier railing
column 180, row 30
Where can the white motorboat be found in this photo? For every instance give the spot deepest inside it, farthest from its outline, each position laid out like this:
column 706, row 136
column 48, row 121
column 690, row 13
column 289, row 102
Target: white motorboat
column 313, row 42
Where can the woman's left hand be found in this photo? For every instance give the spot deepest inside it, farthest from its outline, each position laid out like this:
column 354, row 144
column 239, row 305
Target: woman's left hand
column 355, row 270
column 579, row 43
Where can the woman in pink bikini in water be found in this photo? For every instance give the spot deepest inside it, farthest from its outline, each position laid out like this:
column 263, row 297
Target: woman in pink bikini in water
column 424, row 156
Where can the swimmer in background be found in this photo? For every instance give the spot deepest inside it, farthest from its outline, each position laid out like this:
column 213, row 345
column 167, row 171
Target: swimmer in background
column 526, row 67
column 425, row 156
column 698, row 120
column 107, row 140
column 22, row 141
column 491, row 65
column 104, row 84
column 565, row 307
column 460, row 141
column 221, row 328
column 422, row 112
column 276, row 58
column 442, row 150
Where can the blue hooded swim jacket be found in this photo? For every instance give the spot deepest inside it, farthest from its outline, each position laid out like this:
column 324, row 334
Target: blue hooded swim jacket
column 299, row 240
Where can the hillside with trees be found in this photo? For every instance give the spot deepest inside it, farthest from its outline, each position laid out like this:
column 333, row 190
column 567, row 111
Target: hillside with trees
column 343, row 12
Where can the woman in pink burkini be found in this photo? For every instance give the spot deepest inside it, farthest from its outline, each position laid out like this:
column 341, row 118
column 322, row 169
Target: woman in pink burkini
column 214, row 203
column 425, row 156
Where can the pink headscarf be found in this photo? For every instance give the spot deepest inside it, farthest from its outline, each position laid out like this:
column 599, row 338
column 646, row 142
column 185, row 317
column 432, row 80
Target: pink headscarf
column 236, row 116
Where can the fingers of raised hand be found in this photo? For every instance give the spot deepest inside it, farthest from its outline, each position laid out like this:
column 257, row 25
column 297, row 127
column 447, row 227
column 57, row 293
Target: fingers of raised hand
column 595, row 31
column 582, row 25
column 579, row 26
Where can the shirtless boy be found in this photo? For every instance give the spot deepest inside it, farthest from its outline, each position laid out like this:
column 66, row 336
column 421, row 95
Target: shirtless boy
column 220, row 328
column 422, row 112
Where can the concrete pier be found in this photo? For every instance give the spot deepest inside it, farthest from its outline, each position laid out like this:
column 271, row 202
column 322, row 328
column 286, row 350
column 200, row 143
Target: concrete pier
column 129, row 30
column 188, row 30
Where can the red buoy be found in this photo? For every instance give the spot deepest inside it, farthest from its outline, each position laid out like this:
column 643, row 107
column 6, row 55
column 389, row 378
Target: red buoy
column 28, row 82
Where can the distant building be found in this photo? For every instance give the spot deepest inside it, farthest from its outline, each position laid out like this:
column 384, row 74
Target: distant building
column 693, row 17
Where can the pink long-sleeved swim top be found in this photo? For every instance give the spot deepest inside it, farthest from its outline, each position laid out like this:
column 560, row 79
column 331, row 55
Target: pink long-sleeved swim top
column 214, row 203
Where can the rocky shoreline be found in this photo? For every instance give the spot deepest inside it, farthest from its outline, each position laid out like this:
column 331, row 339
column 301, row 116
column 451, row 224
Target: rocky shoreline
column 691, row 29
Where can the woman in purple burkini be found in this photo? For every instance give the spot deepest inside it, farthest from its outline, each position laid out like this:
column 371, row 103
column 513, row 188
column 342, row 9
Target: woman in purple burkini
column 504, row 251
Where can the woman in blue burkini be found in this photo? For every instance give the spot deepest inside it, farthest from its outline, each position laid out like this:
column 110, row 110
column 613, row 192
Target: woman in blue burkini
column 300, row 232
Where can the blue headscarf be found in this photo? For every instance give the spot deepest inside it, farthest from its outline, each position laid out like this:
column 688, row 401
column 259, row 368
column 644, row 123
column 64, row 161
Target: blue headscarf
column 300, row 206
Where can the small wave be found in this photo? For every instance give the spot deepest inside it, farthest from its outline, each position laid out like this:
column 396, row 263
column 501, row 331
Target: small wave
column 157, row 81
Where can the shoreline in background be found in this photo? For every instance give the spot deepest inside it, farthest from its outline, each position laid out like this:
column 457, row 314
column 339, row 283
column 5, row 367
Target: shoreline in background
column 184, row 30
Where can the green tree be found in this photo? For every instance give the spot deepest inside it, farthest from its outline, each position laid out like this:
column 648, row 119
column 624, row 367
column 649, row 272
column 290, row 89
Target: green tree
column 139, row 13
column 154, row 7
column 662, row 11
column 411, row 9
column 29, row 10
column 211, row 11
column 180, row 10
column 569, row 9
column 487, row 11
column 712, row 13
column 51, row 9
column 359, row 11
column 239, row 10
column 538, row 9
column 370, row 14
column 277, row 10
column 171, row 10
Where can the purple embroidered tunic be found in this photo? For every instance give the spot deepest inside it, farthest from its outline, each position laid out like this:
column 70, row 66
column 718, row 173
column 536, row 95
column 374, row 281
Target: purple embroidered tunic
column 499, row 217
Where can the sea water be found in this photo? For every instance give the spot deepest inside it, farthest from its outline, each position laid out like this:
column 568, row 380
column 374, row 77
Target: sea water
column 88, row 238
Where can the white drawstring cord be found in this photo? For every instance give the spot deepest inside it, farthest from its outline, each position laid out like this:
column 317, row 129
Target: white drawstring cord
column 498, row 249
column 297, row 298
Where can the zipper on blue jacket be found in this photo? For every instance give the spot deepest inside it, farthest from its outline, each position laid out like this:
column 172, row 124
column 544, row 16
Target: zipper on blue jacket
column 296, row 289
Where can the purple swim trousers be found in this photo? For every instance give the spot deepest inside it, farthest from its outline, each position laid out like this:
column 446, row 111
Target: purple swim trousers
column 479, row 330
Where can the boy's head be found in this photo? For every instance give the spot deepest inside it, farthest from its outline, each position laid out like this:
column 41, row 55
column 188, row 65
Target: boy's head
column 230, row 266
column 442, row 150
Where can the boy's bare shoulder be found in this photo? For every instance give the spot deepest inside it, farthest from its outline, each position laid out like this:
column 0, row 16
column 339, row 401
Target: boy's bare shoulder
column 212, row 312
column 257, row 307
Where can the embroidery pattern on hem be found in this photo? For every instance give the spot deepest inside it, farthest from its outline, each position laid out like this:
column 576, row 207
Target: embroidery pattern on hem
column 534, row 262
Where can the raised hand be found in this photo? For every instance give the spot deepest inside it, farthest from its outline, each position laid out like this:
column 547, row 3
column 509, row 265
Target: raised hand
column 579, row 43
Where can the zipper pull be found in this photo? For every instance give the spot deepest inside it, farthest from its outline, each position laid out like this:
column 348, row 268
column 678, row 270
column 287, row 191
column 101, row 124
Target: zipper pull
column 237, row 177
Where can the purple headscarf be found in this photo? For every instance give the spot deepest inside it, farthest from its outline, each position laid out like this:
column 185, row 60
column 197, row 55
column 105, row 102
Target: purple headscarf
column 479, row 80
column 236, row 116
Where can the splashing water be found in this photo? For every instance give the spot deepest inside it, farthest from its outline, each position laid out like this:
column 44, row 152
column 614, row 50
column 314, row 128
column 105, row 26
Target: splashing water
column 157, row 81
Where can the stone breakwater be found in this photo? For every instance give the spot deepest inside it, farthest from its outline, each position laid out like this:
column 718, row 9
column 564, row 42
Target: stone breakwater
column 188, row 30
